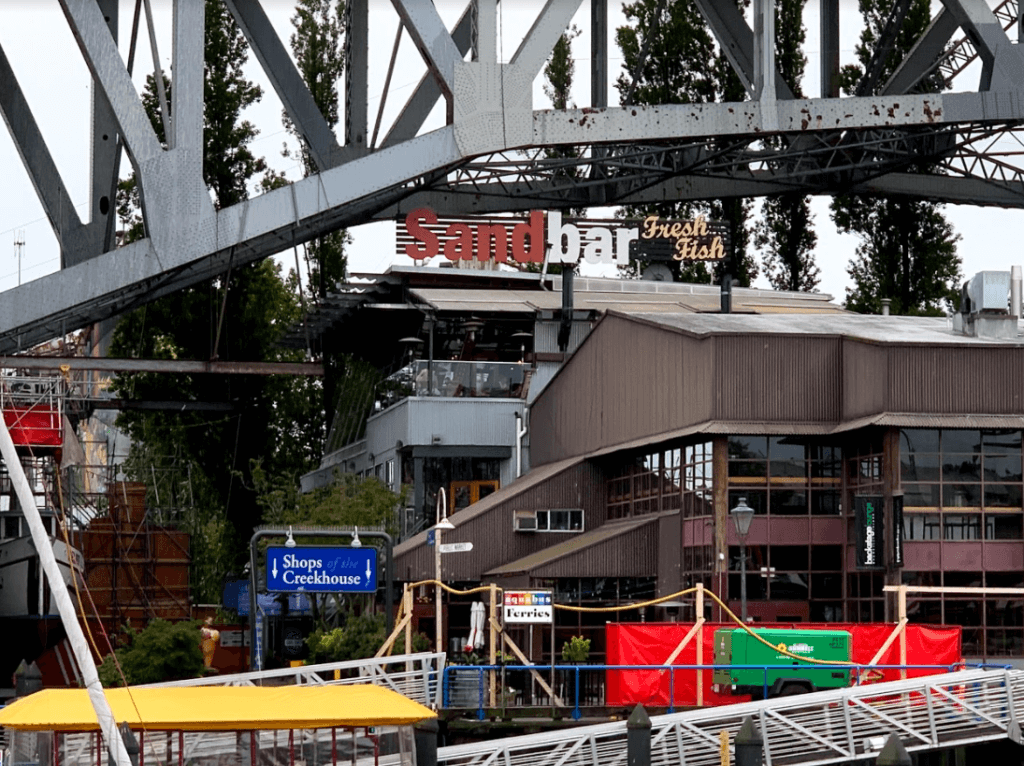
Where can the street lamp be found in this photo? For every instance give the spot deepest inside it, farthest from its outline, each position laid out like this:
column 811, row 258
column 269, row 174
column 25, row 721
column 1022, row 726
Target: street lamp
column 441, row 524
column 742, row 515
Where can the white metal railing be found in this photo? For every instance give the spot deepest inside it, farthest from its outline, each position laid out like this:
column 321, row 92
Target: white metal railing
column 417, row 676
column 386, row 746
column 838, row 726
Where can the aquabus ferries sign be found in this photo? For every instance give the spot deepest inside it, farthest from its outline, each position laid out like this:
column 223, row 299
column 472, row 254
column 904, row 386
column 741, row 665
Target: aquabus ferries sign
column 422, row 234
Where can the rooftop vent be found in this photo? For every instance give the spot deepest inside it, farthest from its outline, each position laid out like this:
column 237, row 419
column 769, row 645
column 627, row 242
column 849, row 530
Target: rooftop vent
column 985, row 307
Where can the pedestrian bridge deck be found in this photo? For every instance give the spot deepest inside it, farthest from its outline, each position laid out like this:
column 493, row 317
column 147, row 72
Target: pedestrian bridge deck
column 929, row 713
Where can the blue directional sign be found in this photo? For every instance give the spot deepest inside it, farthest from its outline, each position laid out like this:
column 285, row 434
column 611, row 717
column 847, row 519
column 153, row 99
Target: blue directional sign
column 321, row 569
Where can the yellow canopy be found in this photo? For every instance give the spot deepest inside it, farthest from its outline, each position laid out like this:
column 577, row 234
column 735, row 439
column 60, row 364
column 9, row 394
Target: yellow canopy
column 213, row 708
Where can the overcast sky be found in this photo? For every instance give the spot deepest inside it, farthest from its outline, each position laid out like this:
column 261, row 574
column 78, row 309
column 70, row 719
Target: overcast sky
column 36, row 38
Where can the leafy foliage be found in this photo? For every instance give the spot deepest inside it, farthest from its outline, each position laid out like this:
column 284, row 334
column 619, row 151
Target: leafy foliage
column 240, row 316
column 576, row 649
column 359, row 638
column 669, row 57
column 349, row 501
column 908, row 248
column 162, row 651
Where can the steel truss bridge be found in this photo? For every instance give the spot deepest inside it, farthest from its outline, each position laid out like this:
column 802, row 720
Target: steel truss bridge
column 493, row 153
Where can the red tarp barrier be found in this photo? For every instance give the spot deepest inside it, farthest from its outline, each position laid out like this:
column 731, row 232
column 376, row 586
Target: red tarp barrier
column 36, row 426
column 652, row 643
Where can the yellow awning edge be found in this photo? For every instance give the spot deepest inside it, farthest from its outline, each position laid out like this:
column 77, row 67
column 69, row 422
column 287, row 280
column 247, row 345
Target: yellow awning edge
column 218, row 708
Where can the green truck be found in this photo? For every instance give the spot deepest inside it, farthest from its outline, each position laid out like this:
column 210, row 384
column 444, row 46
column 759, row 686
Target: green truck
column 735, row 647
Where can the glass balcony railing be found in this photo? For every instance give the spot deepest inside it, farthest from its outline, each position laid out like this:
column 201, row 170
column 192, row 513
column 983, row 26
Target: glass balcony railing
column 488, row 380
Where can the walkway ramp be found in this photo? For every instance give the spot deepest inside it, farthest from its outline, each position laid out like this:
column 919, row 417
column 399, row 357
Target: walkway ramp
column 930, row 713
column 417, row 676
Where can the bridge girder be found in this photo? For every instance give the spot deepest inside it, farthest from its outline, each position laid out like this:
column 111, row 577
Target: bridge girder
column 491, row 155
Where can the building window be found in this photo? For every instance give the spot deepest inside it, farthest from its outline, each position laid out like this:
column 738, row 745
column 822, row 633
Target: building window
column 663, row 480
column 785, row 476
column 552, row 520
column 971, row 478
column 993, row 626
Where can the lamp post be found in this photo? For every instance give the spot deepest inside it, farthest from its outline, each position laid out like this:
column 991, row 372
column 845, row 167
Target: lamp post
column 742, row 515
column 441, row 524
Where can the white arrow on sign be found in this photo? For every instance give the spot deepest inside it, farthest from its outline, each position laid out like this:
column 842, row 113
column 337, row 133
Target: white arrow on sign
column 456, row 547
column 274, row 570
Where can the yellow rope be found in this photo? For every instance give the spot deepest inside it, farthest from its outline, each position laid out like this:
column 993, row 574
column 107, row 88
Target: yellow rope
column 448, row 589
column 780, row 648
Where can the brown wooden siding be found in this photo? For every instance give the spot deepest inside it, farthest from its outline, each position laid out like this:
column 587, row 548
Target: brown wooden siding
column 494, row 541
column 628, row 380
column 955, row 380
column 632, row 380
column 865, row 378
column 777, row 378
column 633, row 554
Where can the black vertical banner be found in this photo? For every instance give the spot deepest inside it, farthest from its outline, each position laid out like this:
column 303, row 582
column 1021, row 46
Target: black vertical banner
column 870, row 531
column 897, row 531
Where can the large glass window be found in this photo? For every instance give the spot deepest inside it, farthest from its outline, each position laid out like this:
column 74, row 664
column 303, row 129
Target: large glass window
column 785, row 475
column 993, row 626
column 663, row 480
column 971, row 478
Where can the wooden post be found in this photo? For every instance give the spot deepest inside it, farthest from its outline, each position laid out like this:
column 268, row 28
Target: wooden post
column 901, row 605
column 492, row 619
column 555, row 699
column 407, row 603
column 700, row 643
column 720, row 499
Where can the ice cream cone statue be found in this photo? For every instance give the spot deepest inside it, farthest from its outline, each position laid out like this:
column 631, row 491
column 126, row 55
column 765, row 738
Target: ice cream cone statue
column 210, row 639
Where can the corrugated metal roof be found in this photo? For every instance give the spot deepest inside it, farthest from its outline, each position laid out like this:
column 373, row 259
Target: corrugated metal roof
column 873, row 328
column 910, row 420
column 576, row 546
column 530, row 301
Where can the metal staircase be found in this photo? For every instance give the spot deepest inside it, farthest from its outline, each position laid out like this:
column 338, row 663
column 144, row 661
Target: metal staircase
column 929, row 713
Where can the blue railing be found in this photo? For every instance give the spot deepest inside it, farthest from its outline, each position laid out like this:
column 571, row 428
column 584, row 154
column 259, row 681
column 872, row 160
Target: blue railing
column 466, row 687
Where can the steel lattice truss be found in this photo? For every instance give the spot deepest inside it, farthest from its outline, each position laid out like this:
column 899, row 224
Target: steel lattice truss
column 841, row 726
column 909, row 135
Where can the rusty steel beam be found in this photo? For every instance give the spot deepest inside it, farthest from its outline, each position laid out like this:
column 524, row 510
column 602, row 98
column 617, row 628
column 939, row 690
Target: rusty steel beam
column 314, row 369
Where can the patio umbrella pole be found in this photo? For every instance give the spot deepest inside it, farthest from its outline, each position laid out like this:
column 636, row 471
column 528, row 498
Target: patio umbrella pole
column 59, row 589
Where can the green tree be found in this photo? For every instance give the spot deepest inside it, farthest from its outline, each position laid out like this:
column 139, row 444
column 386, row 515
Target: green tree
column 784, row 233
column 908, row 249
column 317, row 44
column 360, row 637
column 162, row 651
column 239, row 316
column 670, row 57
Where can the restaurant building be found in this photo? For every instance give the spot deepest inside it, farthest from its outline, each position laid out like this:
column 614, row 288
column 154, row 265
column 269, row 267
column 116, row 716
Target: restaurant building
column 660, row 423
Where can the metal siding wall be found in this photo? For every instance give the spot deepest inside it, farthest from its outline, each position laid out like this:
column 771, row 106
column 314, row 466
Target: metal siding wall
column 633, row 555
column 956, row 381
column 483, row 422
column 494, row 541
column 777, row 378
column 630, row 380
column 865, row 380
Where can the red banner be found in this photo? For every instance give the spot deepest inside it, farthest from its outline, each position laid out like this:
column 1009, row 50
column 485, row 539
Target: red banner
column 653, row 643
